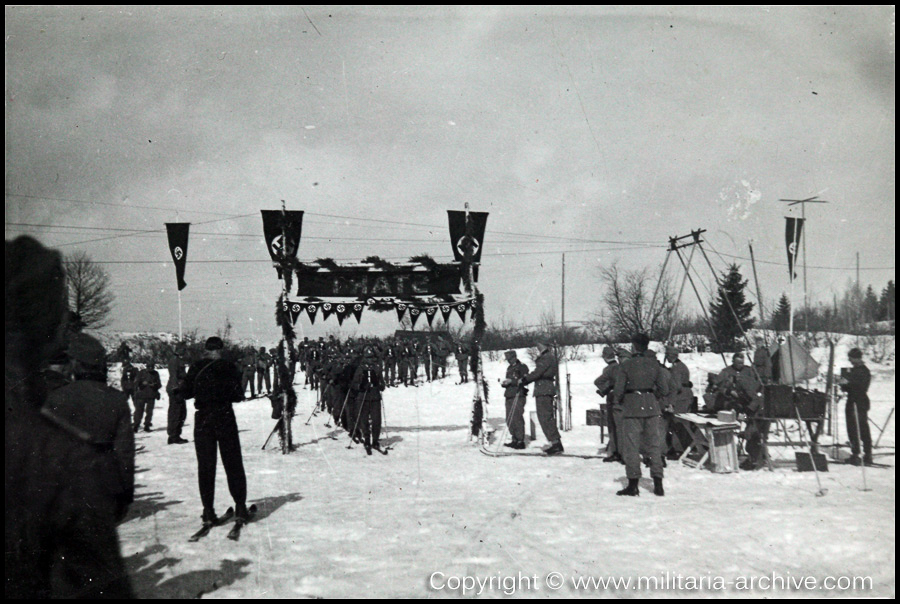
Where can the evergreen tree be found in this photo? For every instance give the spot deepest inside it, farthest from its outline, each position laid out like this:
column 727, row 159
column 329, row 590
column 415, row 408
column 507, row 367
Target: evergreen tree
column 731, row 302
column 886, row 303
column 870, row 305
column 781, row 318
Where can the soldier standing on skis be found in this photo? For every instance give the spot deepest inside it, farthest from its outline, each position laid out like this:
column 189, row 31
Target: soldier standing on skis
column 215, row 384
column 515, row 395
column 368, row 381
column 544, row 377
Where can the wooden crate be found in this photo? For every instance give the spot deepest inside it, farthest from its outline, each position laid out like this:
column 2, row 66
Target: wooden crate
column 723, row 455
column 595, row 417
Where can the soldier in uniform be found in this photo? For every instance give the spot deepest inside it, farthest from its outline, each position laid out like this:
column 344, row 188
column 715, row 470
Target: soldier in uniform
column 682, row 401
column 856, row 385
column 737, row 387
column 368, row 382
column 639, row 383
column 263, row 363
column 215, row 384
column 313, row 359
column 762, row 362
column 146, row 393
column 58, row 372
column 462, row 361
column 273, row 355
column 544, row 378
column 415, row 359
column 428, row 357
column 101, row 414
column 248, row 372
column 605, row 384
column 405, row 363
column 174, row 388
column 390, row 363
column 515, row 395
column 60, row 535
column 129, row 375
column 441, row 353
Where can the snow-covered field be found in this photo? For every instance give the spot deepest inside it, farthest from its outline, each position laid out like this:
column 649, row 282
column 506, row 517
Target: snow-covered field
column 437, row 518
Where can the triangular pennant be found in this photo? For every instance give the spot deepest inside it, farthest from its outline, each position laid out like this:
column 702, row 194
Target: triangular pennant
column 461, row 309
column 445, row 312
column 430, row 312
column 327, row 309
column 358, row 311
column 311, row 310
column 414, row 314
column 294, row 308
column 342, row 311
column 401, row 310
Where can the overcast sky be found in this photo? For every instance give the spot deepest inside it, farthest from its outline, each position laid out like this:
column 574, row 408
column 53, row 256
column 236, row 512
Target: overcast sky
column 599, row 132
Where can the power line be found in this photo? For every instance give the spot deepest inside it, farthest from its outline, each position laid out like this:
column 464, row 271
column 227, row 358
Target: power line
column 114, row 205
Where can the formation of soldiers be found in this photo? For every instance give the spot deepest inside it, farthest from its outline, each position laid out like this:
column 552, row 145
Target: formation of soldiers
column 402, row 360
column 349, row 377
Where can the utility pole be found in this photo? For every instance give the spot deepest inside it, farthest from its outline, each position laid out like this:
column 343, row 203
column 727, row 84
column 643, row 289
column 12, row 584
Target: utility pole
column 564, row 290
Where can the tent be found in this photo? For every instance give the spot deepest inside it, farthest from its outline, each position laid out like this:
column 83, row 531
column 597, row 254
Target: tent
column 791, row 362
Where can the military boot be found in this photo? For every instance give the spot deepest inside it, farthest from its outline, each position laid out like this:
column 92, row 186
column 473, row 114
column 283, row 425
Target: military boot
column 241, row 512
column 209, row 516
column 658, row 486
column 555, row 448
column 632, row 489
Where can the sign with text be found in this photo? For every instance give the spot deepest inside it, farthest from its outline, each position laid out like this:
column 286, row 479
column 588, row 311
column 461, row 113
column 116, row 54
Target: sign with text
column 365, row 281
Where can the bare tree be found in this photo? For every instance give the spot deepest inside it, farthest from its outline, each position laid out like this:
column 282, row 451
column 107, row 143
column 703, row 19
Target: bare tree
column 89, row 293
column 630, row 305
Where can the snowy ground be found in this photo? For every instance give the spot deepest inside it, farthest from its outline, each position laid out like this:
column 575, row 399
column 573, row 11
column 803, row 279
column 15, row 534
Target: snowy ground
column 436, row 515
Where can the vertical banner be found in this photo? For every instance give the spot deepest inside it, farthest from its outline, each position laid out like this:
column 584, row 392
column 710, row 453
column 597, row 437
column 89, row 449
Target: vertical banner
column 178, row 244
column 467, row 239
column 792, row 233
column 276, row 226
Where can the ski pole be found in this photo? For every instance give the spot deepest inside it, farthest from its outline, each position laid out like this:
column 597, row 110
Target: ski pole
column 811, row 454
column 341, row 414
column 509, row 415
column 859, row 444
column 311, row 415
column 882, row 428
column 272, row 433
column 356, row 423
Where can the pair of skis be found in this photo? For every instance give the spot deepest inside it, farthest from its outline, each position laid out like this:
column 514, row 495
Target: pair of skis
column 534, row 453
column 234, row 534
